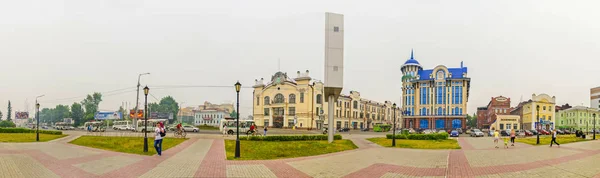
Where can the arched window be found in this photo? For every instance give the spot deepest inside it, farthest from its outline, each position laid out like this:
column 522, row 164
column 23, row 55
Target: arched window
column 278, row 98
column 440, row 75
column 319, row 99
column 267, row 100
column 292, row 98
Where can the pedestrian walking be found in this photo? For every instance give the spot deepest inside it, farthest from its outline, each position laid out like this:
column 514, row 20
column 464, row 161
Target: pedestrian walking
column 505, row 142
column 266, row 131
column 513, row 135
column 496, row 138
column 158, row 139
column 554, row 139
column 225, row 130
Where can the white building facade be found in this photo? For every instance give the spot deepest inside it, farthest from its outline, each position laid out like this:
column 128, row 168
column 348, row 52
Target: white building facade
column 595, row 98
column 211, row 117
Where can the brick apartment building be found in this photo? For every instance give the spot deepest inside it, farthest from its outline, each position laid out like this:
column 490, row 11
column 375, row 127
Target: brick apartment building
column 498, row 105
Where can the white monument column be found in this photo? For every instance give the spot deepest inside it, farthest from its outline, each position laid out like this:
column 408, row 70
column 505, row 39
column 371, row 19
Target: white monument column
column 334, row 63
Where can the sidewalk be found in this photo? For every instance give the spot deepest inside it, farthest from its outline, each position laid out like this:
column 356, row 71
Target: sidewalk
column 205, row 157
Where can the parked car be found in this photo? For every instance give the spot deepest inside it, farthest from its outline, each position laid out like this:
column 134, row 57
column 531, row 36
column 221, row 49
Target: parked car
column 454, row 133
column 558, row 131
column 411, row 131
column 469, row 131
column 528, row 133
column 567, row 131
column 476, row 133
column 544, row 132
column 460, row 131
column 427, row 131
column 534, row 132
column 504, row 133
column 189, row 128
column 344, row 129
column 122, row 127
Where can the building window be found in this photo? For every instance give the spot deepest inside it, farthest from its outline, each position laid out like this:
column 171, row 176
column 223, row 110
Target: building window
column 319, row 99
column 301, row 97
column 292, row 111
column 440, row 75
column 440, row 111
column 267, row 100
column 266, row 111
column 336, row 29
column 258, row 101
column 292, row 98
column 501, row 126
column 544, row 108
column 278, row 98
column 318, row 111
column 355, row 103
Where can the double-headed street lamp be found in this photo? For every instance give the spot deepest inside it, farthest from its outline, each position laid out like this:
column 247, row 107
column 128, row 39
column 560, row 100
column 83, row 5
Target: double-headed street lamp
column 237, row 139
column 394, row 131
column 37, row 113
column 146, row 90
column 539, row 124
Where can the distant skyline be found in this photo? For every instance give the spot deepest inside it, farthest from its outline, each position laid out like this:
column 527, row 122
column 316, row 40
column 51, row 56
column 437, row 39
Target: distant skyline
column 68, row 49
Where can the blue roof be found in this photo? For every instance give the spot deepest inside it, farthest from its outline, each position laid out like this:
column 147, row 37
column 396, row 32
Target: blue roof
column 412, row 59
column 457, row 73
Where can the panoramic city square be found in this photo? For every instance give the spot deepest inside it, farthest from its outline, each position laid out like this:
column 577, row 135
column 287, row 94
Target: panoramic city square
column 326, row 89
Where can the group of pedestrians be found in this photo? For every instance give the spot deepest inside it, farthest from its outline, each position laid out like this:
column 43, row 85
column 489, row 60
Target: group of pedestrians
column 513, row 136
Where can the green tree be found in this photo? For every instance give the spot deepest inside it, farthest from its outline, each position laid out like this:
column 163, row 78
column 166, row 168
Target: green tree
column 233, row 114
column 8, row 115
column 168, row 105
column 91, row 103
column 61, row 112
column 472, row 120
column 7, row 124
column 124, row 113
column 77, row 113
column 0, row 115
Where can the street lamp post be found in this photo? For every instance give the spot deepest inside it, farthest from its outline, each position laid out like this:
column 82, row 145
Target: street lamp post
column 539, row 123
column 146, row 90
column 237, row 139
column 137, row 100
column 594, row 125
column 394, row 131
column 37, row 113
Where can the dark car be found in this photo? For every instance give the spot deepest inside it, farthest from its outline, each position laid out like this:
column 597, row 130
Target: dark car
column 504, row 133
column 560, row 132
column 534, row 132
column 454, row 133
column 344, row 129
column 567, row 131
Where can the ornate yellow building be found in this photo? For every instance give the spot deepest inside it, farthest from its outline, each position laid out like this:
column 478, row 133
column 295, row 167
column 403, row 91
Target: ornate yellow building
column 285, row 102
column 528, row 111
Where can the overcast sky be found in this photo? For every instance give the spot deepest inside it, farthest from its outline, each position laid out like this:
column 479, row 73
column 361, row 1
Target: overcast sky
column 67, row 49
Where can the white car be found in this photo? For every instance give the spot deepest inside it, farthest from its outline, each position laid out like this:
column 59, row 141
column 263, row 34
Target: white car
column 122, row 127
column 189, row 128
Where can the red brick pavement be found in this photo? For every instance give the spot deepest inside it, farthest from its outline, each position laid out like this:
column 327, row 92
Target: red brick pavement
column 464, row 144
column 213, row 164
column 458, row 165
column 139, row 168
column 62, row 169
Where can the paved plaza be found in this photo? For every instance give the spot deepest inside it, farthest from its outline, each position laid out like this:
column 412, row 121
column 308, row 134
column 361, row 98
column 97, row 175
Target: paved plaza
column 204, row 156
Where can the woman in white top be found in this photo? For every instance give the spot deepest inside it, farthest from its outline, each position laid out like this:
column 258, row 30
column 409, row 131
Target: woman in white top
column 225, row 130
column 158, row 139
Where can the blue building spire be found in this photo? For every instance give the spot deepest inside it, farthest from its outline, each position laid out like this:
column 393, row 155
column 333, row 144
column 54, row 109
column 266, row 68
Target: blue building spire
column 411, row 54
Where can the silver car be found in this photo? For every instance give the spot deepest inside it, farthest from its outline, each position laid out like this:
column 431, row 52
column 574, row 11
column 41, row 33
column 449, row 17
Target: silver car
column 189, row 128
column 476, row 133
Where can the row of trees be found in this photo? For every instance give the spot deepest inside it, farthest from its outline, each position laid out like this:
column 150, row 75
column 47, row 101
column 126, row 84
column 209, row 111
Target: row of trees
column 85, row 110
column 8, row 115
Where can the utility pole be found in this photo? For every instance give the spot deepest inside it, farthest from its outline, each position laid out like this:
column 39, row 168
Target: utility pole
column 137, row 100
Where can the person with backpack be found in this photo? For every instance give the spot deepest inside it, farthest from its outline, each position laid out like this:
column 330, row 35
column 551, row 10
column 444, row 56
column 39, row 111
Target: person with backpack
column 159, row 133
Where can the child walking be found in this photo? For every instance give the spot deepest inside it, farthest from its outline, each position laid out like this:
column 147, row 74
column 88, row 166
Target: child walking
column 505, row 142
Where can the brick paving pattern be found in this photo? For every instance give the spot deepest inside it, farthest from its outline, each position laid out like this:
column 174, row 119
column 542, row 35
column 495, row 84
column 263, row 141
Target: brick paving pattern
column 204, row 156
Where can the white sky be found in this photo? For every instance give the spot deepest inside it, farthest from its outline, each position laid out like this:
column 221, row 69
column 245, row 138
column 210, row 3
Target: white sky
column 71, row 48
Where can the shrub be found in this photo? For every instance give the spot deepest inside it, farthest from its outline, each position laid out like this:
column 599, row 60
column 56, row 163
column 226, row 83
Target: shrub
column 434, row 136
column 6, row 123
column 292, row 137
column 24, row 130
